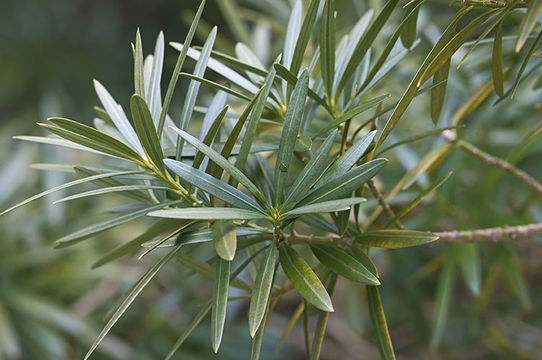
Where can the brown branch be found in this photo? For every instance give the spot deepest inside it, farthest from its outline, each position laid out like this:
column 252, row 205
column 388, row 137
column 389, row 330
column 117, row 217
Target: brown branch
column 378, row 195
column 493, row 4
column 502, row 164
column 505, row 233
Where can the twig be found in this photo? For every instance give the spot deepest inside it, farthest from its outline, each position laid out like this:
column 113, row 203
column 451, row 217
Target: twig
column 494, row 4
column 505, row 233
column 502, row 164
column 384, row 204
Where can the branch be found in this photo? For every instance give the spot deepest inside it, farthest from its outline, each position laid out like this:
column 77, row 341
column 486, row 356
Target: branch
column 494, row 4
column 505, row 233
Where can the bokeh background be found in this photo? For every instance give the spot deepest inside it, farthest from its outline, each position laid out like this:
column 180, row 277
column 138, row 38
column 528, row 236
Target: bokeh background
column 52, row 305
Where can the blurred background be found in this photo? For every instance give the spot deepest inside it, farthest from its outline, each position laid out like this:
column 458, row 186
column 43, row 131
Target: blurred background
column 52, row 305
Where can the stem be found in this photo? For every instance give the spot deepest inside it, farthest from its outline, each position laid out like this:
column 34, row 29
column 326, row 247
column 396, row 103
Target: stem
column 497, row 234
column 384, row 204
column 494, row 4
column 502, row 164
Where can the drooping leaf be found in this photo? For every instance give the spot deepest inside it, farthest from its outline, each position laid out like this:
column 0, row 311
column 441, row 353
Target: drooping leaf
column 379, row 324
column 220, row 302
column 497, row 61
column 525, row 62
column 261, row 291
column 528, row 22
column 395, row 239
column 303, row 278
column 343, row 264
column 438, row 93
column 225, row 239
column 408, row 34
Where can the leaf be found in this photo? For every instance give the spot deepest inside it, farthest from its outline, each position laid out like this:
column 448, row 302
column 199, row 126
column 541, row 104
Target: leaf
column 225, row 239
column 525, row 62
column 193, row 88
column 467, row 259
column 303, row 278
column 304, row 36
column 438, row 93
column 343, row 264
column 297, row 314
column 365, row 43
column 348, row 159
column 323, row 207
column 444, row 294
column 327, row 47
column 345, row 184
column 178, row 67
column 351, row 113
column 130, row 297
column 528, row 22
column 92, row 138
column 379, row 325
column 395, row 239
column 146, row 131
column 231, row 12
column 290, row 131
column 256, row 342
column 190, row 328
column 118, row 117
column 216, row 86
column 497, row 61
column 111, row 189
column 262, row 290
column 214, row 213
column 139, row 85
column 361, row 256
column 210, row 135
column 102, row 226
column 408, row 34
column 321, row 323
column 311, row 171
column 514, row 276
column 153, row 94
column 292, row 34
column 223, row 163
column 220, row 302
column 429, row 161
column 417, row 137
column 67, row 185
column 212, row 185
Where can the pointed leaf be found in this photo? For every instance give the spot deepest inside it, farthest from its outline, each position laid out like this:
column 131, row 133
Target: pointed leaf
column 146, row 130
column 379, row 324
column 327, row 47
column 395, row 239
column 408, row 34
column 444, row 294
column 528, row 22
column 323, row 207
column 225, row 239
column 497, row 61
column 220, row 302
column 208, row 214
column 139, row 85
column 304, row 36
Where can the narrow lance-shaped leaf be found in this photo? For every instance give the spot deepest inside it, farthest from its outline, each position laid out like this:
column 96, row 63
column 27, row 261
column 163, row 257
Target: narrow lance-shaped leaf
column 261, row 290
column 524, row 64
column 139, row 86
column 327, row 47
column 177, row 70
column 153, row 95
column 343, row 264
column 225, row 239
column 408, row 34
column 220, row 302
column 444, row 293
column 290, row 131
column 214, row 213
column 321, row 323
column 292, row 34
column 467, row 259
column 395, row 239
column 323, row 207
column 146, row 130
column 361, row 256
column 438, row 92
column 528, row 22
column 193, row 89
column 513, row 274
column 304, row 36
column 149, row 275
column 303, row 278
column 216, row 86
column 210, row 136
column 497, row 61
column 379, row 324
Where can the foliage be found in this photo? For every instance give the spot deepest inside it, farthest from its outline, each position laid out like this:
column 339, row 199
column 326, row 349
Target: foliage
column 273, row 187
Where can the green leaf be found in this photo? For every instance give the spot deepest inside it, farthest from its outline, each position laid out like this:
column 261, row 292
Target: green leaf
column 361, row 256
column 67, row 185
column 417, row 137
column 153, row 90
column 379, row 325
column 497, row 61
column 261, row 291
column 292, row 35
column 212, row 185
column 139, row 84
column 303, row 278
column 256, row 342
column 209, row 137
column 429, row 161
column 118, row 117
column 297, row 314
column 130, row 297
column 220, row 302
column 438, row 92
column 311, row 171
column 444, row 294
column 351, row 113
column 323, row 207
column 214, row 213
column 524, row 63
column 408, row 34
column 95, row 229
column 216, row 86
column 327, row 47
column 343, row 264
column 395, row 239
column 225, row 239
column 528, row 22
column 467, row 259
column 345, row 184
column 232, row 14
column 111, row 189
column 304, row 36
column 146, row 131
column 190, row 328
column 513, row 275
column 238, row 63
column 223, row 163
column 365, row 43
column 321, row 323
column 92, row 138
column 178, row 67
column 348, row 159
column 290, row 131
column 193, row 88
